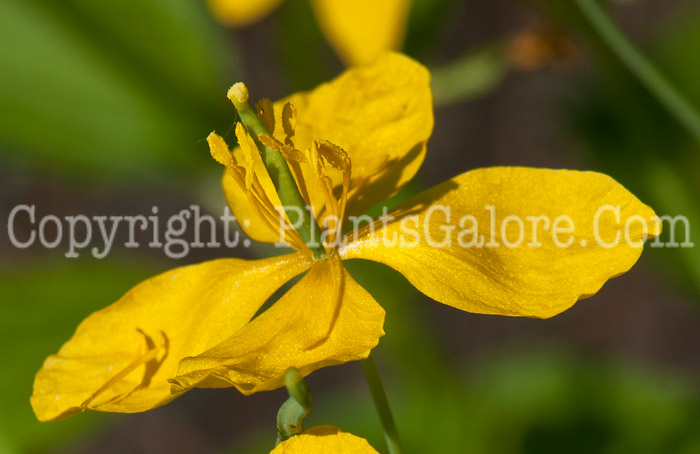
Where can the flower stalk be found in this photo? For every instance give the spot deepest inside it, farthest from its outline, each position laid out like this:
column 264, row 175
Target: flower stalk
column 381, row 403
column 294, row 204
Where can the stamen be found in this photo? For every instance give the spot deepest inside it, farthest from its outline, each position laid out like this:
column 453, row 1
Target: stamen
column 279, row 172
column 284, row 162
column 219, row 150
column 266, row 114
column 247, row 147
column 289, row 122
column 339, row 159
column 294, row 159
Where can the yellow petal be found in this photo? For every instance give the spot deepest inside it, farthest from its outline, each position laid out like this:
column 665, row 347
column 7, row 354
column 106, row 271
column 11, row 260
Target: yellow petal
column 324, row 440
column 361, row 30
column 239, row 13
column 381, row 115
column 541, row 277
column 121, row 357
column 325, row 319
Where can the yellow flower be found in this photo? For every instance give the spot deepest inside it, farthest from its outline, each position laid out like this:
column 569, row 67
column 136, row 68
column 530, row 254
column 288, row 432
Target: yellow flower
column 351, row 144
column 324, row 440
column 359, row 30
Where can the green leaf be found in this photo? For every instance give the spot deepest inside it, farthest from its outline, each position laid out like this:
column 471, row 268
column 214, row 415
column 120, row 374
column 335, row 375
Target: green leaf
column 111, row 87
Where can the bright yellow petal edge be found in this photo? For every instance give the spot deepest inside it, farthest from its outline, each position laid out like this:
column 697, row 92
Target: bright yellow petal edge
column 533, row 281
column 121, row 357
column 324, row 440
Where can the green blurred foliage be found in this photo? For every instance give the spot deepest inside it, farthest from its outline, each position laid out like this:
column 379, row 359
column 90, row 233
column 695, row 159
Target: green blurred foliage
column 471, row 76
column 629, row 135
column 429, row 21
column 110, row 89
column 42, row 304
column 302, row 49
column 675, row 49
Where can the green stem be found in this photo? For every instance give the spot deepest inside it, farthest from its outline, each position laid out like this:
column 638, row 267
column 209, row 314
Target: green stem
column 641, row 67
column 381, row 403
column 285, row 185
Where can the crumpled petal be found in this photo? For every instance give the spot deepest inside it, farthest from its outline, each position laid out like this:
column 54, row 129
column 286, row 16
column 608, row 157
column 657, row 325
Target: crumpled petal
column 239, row 13
column 361, row 30
column 121, row 357
column 381, row 115
column 325, row 319
column 324, row 440
column 521, row 281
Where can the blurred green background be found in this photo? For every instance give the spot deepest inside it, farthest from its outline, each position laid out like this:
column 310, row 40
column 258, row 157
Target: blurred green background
column 104, row 108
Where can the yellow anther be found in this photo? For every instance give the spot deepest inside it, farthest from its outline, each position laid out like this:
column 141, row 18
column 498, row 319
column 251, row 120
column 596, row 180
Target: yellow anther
column 266, row 114
column 248, row 148
column 289, row 122
column 333, row 155
column 219, row 150
column 270, row 141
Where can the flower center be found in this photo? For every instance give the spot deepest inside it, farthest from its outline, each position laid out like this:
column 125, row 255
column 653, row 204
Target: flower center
column 312, row 183
column 322, row 173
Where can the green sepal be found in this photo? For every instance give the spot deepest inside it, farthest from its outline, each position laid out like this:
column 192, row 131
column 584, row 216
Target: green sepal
column 290, row 417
